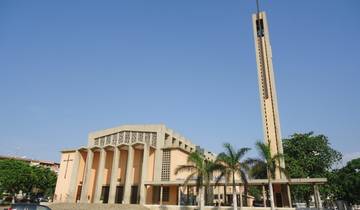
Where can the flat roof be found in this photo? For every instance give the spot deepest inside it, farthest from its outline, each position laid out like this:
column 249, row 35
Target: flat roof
column 29, row 160
column 295, row 181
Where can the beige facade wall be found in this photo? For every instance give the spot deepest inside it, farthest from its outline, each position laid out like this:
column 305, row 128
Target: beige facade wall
column 108, row 167
column 122, row 165
column 137, row 166
column 81, row 170
column 93, row 176
column 173, row 196
column 150, row 175
column 178, row 157
column 63, row 181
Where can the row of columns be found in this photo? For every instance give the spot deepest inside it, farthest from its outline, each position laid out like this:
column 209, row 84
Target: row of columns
column 316, row 195
column 241, row 191
column 113, row 178
column 288, row 195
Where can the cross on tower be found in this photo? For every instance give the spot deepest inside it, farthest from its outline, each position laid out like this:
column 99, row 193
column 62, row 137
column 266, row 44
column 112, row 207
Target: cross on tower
column 67, row 164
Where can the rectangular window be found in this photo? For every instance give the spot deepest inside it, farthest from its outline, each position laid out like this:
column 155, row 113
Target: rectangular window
column 107, row 139
column 260, row 27
column 102, row 141
column 165, row 170
column 166, row 194
column 96, row 143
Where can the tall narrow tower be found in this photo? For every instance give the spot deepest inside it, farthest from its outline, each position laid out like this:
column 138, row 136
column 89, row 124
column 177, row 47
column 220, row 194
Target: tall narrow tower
column 269, row 109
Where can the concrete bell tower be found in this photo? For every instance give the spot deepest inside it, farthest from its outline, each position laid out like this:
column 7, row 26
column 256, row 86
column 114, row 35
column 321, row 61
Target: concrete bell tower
column 269, row 108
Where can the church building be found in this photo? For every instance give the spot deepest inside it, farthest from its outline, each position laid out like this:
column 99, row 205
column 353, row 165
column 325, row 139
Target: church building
column 130, row 164
column 135, row 164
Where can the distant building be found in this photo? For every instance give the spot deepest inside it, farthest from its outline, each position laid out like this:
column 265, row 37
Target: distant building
column 47, row 164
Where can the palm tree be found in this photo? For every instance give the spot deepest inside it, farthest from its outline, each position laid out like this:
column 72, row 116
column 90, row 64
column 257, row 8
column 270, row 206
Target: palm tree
column 201, row 170
column 232, row 166
column 267, row 163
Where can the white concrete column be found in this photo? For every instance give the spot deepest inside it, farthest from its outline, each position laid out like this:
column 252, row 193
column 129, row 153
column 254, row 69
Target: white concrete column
column 100, row 176
column 179, row 195
column 187, row 195
column 289, row 195
column 87, row 173
column 161, row 194
column 218, row 192
column 225, row 195
column 114, row 175
column 144, row 170
column 73, row 178
column 264, row 195
column 317, row 198
column 129, row 175
column 241, row 197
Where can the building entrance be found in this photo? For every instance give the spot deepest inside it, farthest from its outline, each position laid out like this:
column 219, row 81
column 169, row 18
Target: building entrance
column 105, row 194
column 119, row 194
column 78, row 193
column 134, row 193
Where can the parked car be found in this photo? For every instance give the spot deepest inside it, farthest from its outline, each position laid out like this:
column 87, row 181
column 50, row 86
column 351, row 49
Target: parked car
column 5, row 201
column 42, row 199
column 27, row 206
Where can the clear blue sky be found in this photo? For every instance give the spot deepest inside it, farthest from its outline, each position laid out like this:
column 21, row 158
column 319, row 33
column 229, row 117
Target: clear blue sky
column 71, row 67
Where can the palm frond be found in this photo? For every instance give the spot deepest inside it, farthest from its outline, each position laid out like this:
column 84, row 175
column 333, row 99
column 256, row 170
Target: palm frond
column 264, row 150
column 196, row 158
column 229, row 150
column 243, row 176
column 244, row 165
column 184, row 168
column 258, row 169
column 241, row 152
column 189, row 177
column 222, row 175
column 254, row 161
column 285, row 172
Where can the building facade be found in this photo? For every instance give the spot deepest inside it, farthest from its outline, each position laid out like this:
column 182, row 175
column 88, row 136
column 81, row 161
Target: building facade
column 128, row 164
column 43, row 163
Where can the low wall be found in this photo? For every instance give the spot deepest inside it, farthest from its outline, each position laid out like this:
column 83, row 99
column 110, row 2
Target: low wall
column 88, row 206
column 174, row 207
column 92, row 206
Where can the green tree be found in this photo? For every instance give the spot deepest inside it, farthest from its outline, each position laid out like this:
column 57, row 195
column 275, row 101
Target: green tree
column 44, row 181
column 308, row 155
column 18, row 176
column 256, row 192
column 201, row 170
column 15, row 176
column 345, row 182
column 232, row 165
column 268, row 162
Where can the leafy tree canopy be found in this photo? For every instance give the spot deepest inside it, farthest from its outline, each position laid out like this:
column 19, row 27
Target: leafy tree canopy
column 14, row 176
column 345, row 182
column 18, row 175
column 308, row 155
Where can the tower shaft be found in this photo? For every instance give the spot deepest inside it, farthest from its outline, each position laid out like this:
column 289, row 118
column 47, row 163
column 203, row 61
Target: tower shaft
column 269, row 108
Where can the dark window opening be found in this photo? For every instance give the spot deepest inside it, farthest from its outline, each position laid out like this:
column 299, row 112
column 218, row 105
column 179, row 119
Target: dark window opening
column 260, row 27
column 166, row 194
